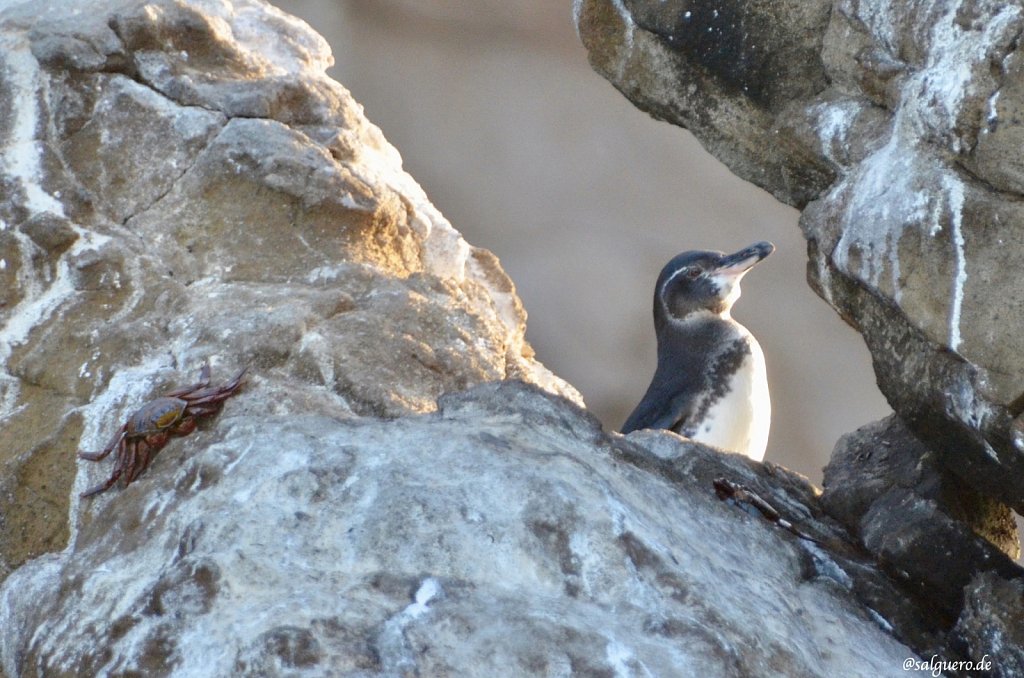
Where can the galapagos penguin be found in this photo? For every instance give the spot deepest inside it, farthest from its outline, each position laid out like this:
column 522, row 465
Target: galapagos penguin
column 710, row 384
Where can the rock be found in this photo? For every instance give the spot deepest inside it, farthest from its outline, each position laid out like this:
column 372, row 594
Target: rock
column 504, row 534
column 399, row 487
column 727, row 71
column 829, row 550
column 924, row 526
column 918, row 543
column 990, row 625
column 184, row 183
column 895, row 128
column 884, row 457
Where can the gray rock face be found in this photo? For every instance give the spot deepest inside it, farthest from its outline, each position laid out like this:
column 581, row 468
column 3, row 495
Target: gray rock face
column 725, row 70
column 889, row 490
column 895, row 127
column 884, row 458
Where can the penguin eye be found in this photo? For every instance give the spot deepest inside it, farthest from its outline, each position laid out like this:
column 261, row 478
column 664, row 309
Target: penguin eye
column 693, row 272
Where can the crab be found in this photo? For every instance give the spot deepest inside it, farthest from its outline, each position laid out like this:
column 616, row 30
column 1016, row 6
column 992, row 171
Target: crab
column 151, row 426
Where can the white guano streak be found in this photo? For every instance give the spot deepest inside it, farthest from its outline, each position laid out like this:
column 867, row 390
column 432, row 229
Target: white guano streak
column 955, row 191
column 20, row 161
column 893, row 188
column 21, row 149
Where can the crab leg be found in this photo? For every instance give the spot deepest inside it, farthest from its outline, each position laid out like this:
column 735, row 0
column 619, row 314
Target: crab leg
column 104, row 486
column 215, row 394
column 204, row 381
column 96, row 456
column 137, row 460
column 147, row 451
column 188, row 424
column 202, row 410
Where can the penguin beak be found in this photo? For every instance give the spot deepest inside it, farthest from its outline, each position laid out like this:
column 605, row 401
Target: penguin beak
column 735, row 265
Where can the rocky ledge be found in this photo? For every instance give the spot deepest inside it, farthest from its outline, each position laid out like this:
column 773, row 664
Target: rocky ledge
column 503, row 535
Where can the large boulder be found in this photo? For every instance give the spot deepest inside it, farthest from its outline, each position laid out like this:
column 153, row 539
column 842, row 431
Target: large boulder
column 896, row 128
column 892, row 493
column 504, row 535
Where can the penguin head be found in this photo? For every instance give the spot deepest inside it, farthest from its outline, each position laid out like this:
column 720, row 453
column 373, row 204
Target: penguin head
column 703, row 282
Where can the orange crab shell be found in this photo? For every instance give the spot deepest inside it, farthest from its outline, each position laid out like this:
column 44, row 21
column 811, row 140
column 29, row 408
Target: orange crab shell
column 156, row 416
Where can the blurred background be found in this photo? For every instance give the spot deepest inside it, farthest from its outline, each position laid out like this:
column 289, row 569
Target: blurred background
column 531, row 154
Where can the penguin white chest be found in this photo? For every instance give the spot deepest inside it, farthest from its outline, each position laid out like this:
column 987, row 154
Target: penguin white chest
column 738, row 420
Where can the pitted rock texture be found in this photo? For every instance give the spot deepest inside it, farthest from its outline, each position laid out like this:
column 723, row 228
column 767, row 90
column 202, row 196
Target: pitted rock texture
column 935, row 534
column 504, row 535
column 884, row 458
column 991, row 624
column 896, row 127
column 182, row 182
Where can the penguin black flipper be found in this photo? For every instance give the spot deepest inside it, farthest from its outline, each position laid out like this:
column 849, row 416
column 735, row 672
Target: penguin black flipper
column 670, row 402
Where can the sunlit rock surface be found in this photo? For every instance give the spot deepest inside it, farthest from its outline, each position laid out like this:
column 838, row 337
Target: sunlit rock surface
column 896, row 127
column 182, row 182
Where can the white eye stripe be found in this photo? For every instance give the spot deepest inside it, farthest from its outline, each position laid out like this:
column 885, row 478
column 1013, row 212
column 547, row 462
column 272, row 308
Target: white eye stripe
column 675, row 273
column 682, row 270
column 664, row 286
